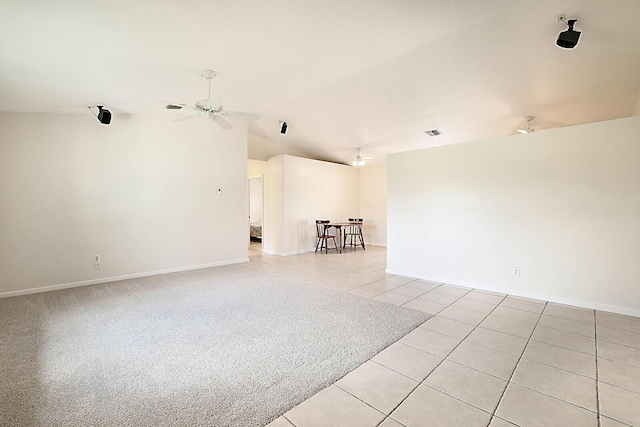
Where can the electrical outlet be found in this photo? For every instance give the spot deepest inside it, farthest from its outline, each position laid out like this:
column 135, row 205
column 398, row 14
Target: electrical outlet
column 516, row 271
column 96, row 258
column 176, row 256
column 96, row 265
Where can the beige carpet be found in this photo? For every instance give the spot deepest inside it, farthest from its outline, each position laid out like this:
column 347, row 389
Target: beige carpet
column 225, row 346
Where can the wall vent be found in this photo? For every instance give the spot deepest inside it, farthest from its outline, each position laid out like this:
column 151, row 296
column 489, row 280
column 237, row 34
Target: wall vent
column 432, row 132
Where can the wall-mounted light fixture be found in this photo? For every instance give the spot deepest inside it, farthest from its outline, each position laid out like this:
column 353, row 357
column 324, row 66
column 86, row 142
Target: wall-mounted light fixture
column 568, row 39
column 103, row 115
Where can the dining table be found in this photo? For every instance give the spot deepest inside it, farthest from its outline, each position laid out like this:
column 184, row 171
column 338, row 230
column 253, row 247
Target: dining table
column 340, row 227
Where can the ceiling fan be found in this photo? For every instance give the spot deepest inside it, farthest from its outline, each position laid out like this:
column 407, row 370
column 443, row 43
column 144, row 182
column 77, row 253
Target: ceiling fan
column 211, row 108
column 527, row 119
column 359, row 160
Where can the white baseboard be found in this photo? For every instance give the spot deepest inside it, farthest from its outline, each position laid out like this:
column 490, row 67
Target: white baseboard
column 629, row 311
column 288, row 253
column 306, row 251
column 117, row 278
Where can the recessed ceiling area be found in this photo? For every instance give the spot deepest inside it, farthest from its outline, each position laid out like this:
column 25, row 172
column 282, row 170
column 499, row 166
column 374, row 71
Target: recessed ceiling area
column 342, row 74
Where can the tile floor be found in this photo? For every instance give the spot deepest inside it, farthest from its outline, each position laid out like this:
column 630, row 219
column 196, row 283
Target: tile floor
column 484, row 359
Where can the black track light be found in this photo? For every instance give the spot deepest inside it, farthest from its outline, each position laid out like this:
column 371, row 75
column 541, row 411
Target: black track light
column 568, row 39
column 104, row 115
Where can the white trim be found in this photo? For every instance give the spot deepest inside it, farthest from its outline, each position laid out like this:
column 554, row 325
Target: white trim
column 519, row 293
column 290, row 253
column 117, row 278
column 306, row 251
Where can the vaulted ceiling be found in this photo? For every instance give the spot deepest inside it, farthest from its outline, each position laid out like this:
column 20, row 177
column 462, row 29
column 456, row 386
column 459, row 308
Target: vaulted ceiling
column 343, row 73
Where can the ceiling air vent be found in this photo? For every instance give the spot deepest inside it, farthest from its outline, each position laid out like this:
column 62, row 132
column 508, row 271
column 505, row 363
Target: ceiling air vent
column 432, row 132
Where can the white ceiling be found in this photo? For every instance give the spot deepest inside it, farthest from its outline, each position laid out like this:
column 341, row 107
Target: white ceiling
column 343, row 73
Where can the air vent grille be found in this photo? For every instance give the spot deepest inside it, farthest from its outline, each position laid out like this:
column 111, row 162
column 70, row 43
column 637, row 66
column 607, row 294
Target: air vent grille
column 433, row 132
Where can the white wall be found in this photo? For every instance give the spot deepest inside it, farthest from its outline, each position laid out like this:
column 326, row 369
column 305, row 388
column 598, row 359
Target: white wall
column 562, row 205
column 273, row 214
column 373, row 204
column 311, row 190
column 134, row 192
column 255, row 200
column 256, row 168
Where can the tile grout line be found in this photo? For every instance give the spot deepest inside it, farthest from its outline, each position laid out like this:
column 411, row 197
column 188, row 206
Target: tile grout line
column 517, row 364
column 434, row 368
column 521, row 356
column 445, row 358
column 384, row 291
column 431, row 290
column 567, row 318
column 418, row 297
column 290, row 422
column 419, row 382
column 475, row 327
column 370, row 360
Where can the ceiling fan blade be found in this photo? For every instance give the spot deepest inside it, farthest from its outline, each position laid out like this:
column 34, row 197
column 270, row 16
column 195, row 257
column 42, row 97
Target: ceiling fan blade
column 175, row 106
column 181, row 119
column 248, row 116
column 221, row 122
column 367, row 158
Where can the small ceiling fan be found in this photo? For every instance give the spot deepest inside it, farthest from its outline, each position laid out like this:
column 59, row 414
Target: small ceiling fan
column 527, row 119
column 211, row 108
column 359, row 159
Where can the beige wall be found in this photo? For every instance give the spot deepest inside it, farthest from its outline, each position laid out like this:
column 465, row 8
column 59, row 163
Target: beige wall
column 134, row 192
column 373, row 204
column 256, row 168
column 297, row 192
column 273, row 214
column 562, row 205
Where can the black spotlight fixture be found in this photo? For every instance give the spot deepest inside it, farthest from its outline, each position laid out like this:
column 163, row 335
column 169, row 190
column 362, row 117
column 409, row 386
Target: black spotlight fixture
column 568, row 39
column 283, row 128
column 104, row 115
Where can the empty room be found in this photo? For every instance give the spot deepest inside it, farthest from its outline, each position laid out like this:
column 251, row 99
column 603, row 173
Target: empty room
column 303, row 214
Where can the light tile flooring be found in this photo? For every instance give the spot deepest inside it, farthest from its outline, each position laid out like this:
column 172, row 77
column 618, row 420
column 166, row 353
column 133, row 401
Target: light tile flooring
column 484, row 359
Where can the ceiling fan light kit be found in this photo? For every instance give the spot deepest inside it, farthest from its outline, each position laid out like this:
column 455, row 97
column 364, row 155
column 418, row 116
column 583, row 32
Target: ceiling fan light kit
column 208, row 74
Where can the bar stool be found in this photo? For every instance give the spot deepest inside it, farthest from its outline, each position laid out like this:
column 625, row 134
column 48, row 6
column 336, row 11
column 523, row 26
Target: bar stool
column 354, row 233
